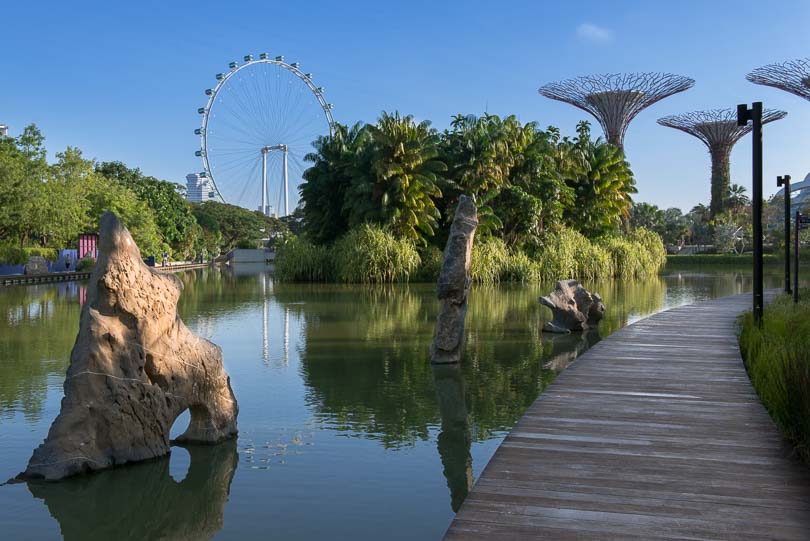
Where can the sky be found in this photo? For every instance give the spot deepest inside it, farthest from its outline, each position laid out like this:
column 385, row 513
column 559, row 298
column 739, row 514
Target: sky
column 123, row 80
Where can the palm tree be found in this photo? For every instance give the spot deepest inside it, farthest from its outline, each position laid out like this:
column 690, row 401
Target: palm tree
column 328, row 180
column 395, row 180
column 736, row 198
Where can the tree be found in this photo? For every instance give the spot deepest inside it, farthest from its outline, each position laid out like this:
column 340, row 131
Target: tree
column 326, row 182
column 234, row 225
column 396, row 181
column 172, row 212
column 602, row 184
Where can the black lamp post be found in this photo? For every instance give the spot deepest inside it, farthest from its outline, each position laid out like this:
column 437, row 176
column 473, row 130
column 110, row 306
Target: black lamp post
column 785, row 181
column 754, row 114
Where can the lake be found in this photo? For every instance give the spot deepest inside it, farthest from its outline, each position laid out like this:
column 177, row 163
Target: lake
column 345, row 430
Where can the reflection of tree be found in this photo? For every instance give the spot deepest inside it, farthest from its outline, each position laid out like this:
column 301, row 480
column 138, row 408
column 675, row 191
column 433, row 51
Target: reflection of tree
column 142, row 501
column 38, row 326
column 454, row 439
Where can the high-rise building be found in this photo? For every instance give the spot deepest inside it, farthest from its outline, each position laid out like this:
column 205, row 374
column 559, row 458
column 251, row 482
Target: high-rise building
column 3, row 130
column 199, row 188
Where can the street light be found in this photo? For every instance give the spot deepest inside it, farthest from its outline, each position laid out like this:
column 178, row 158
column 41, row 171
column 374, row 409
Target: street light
column 785, row 181
column 754, row 114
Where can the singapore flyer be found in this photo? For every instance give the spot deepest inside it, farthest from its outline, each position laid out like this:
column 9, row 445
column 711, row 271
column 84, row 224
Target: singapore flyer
column 258, row 125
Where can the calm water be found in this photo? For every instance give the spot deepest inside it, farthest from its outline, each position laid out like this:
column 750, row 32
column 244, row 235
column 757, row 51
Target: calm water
column 345, row 430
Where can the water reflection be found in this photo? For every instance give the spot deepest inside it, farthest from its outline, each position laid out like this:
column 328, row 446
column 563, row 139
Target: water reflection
column 338, row 401
column 143, row 501
column 454, row 439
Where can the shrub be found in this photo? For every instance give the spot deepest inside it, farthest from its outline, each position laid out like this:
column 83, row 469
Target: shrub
column 431, row 265
column 298, row 260
column 624, row 256
column 489, row 258
column 370, row 254
column 654, row 253
column 85, row 263
column 19, row 256
column 777, row 357
column 518, row 267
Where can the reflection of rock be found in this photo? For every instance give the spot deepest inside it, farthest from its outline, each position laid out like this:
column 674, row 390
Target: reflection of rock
column 565, row 348
column 142, row 501
column 454, row 440
column 134, row 369
column 36, row 265
column 574, row 307
column 454, row 284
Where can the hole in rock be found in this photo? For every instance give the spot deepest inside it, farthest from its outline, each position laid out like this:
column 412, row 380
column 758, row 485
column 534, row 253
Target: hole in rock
column 179, row 462
column 180, row 425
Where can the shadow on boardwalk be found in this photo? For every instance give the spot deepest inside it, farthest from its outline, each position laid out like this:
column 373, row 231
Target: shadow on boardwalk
column 654, row 433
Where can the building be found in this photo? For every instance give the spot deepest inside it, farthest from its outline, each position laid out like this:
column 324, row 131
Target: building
column 800, row 194
column 3, row 130
column 199, row 188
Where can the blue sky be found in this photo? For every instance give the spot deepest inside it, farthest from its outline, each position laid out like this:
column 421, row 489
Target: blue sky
column 123, row 80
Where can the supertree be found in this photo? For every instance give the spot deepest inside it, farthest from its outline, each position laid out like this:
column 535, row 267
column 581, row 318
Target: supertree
column 792, row 76
column 616, row 99
column 718, row 130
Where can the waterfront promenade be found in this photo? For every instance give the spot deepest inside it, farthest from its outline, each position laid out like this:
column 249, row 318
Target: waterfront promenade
column 654, row 433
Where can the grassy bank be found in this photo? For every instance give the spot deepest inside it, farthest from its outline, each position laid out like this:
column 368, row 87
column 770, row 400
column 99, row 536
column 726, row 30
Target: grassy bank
column 777, row 357
column 369, row 254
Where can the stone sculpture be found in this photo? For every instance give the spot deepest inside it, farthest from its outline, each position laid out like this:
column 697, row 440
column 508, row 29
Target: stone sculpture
column 36, row 265
column 574, row 308
column 454, row 285
column 135, row 367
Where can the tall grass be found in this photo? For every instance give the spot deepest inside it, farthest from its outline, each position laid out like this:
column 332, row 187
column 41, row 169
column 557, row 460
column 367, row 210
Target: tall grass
column 370, row 254
column 489, row 257
column 777, row 356
column 298, row 260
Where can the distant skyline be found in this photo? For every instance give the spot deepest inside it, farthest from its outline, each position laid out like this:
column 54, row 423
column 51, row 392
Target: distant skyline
column 123, row 82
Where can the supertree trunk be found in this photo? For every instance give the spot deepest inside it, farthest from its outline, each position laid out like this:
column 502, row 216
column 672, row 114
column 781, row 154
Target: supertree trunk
column 721, row 180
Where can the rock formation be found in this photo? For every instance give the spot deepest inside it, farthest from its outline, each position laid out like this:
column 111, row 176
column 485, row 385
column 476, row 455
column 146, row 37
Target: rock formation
column 134, row 369
column 36, row 265
column 574, row 307
column 454, row 285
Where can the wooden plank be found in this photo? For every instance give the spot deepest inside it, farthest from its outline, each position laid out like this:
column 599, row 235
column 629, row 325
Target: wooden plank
column 653, row 433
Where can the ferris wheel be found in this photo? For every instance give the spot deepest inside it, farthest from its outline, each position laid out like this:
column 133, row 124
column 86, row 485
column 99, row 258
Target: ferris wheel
column 258, row 125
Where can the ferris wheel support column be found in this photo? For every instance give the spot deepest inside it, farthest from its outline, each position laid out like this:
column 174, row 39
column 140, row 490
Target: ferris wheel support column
column 286, row 189
column 264, row 181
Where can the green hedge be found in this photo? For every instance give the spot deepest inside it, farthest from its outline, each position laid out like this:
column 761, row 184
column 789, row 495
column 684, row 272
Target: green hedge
column 369, row 254
column 777, row 356
column 19, row 256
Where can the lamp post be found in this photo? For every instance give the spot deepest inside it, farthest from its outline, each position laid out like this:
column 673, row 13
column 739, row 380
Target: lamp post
column 785, row 181
column 754, row 114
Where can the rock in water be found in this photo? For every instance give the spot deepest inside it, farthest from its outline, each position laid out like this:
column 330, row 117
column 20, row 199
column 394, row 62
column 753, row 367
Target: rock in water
column 574, row 307
column 135, row 367
column 454, row 285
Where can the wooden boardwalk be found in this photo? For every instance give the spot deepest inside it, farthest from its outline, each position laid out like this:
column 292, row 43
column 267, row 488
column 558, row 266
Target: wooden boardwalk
column 654, row 433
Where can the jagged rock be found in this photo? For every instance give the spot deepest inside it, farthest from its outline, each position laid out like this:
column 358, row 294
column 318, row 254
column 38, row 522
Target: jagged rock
column 454, row 284
column 134, row 369
column 36, row 265
column 574, row 308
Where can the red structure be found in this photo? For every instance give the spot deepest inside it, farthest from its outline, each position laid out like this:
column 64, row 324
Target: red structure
column 88, row 243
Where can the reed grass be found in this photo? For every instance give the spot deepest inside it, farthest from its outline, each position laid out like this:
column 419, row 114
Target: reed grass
column 777, row 357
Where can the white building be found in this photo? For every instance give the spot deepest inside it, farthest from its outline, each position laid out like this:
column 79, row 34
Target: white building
column 3, row 130
column 199, row 188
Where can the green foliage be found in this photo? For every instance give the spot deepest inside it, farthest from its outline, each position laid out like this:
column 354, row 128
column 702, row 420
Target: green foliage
column 298, row 260
column 231, row 226
column 431, row 265
column 654, row 253
column 777, row 356
column 85, row 263
column 20, row 256
column 519, row 268
column 720, row 259
column 489, row 258
column 370, row 254
column 172, row 213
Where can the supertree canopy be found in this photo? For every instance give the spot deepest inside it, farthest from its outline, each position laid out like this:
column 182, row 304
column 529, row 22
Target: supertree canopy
column 718, row 130
column 792, row 76
column 616, row 99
